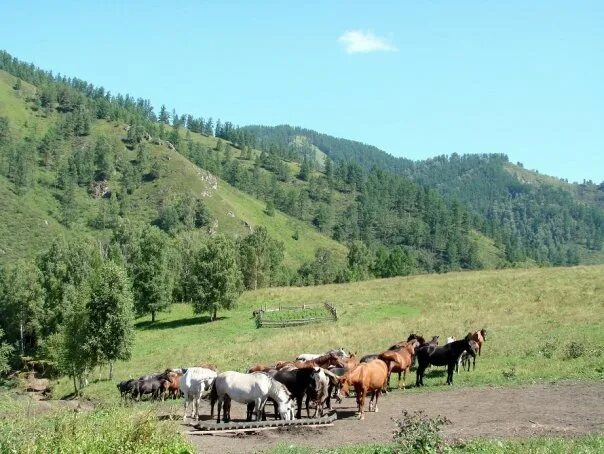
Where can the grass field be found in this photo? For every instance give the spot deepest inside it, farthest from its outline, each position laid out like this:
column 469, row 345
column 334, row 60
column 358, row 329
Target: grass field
column 542, row 323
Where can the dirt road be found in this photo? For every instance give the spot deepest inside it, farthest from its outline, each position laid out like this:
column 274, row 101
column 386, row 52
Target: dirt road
column 562, row 409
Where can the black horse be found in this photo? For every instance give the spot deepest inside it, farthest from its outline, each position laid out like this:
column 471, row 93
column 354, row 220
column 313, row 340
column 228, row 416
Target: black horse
column 297, row 381
column 447, row 355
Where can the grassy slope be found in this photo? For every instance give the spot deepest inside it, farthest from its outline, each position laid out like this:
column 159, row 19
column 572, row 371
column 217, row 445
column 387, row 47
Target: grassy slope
column 521, row 309
column 25, row 231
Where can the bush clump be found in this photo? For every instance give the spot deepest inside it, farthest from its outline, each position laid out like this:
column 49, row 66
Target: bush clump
column 416, row 432
column 574, row 350
column 100, row 431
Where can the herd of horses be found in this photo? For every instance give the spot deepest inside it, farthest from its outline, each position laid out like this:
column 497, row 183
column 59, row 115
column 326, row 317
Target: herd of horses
column 315, row 378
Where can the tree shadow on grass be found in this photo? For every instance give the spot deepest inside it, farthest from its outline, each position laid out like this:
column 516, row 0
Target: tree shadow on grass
column 180, row 323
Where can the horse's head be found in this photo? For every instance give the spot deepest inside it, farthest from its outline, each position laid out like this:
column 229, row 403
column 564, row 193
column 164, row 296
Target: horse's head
column 483, row 332
column 435, row 339
column 286, row 409
column 471, row 347
column 344, row 385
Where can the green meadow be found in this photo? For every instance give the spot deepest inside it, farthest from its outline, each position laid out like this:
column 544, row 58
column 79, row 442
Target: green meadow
column 542, row 324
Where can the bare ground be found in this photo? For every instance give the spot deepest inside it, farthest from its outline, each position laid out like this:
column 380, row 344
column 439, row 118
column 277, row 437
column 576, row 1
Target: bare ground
column 559, row 409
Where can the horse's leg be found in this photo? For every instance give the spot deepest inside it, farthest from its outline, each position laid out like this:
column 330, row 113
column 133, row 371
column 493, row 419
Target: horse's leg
column 376, row 394
column 259, row 407
column 219, row 408
column 226, row 415
column 307, row 405
column 450, row 368
column 184, row 418
column 419, row 375
column 361, row 401
column 299, row 404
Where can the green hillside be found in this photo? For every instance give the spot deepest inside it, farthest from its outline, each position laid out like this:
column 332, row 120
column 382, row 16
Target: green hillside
column 32, row 218
column 530, row 217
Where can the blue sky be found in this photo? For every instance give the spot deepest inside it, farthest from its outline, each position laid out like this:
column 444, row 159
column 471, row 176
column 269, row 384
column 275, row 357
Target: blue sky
column 417, row 78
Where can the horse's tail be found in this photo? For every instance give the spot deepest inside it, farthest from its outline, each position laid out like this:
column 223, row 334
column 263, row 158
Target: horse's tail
column 213, row 397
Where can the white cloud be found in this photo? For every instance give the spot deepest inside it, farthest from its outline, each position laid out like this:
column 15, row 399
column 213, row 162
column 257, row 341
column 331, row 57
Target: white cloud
column 361, row 42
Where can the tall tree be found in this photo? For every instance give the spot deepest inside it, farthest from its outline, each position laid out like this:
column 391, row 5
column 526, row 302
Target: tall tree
column 260, row 257
column 6, row 351
column 63, row 266
column 217, row 277
column 21, row 300
column 154, row 275
column 164, row 116
column 110, row 312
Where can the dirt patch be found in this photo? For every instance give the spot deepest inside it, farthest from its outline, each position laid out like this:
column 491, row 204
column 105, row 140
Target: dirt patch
column 561, row 409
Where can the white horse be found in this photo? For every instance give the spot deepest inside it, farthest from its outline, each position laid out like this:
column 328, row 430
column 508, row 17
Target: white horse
column 196, row 382
column 245, row 388
column 310, row 356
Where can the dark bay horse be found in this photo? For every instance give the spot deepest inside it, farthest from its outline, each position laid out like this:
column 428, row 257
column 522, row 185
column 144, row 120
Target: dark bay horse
column 447, row 355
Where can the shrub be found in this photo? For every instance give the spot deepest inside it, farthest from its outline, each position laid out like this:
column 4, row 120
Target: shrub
column 510, row 373
column 110, row 430
column 574, row 350
column 549, row 348
column 416, row 432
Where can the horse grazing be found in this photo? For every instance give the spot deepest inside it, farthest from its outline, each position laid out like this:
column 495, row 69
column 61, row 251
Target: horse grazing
column 196, row 382
column 340, row 352
column 171, row 384
column 322, row 383
column 447, row 355
column 126, row 387
column 480, row 337
column 365, row 378
column 260, row 368
column 297, row 381
column 329, row 359
column 399, row 361
column 246, row 388
column 464, row 359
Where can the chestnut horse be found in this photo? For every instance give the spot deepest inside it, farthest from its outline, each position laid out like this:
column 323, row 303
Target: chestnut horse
column 324, row 361
column 365, row 378
column 399, row 361
column 480, row 337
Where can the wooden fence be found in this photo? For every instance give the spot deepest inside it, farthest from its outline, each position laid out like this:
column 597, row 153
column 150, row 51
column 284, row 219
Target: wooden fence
column 331, row 314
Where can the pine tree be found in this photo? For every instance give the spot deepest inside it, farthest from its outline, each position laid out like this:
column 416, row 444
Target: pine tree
column 164, row 116
column 305, row 169
column 104, row 157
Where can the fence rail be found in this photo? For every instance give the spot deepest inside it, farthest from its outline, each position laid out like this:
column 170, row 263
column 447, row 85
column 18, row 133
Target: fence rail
column 331, row 314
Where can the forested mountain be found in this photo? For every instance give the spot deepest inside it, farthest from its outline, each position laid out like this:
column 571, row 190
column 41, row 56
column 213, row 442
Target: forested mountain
column 528, row 215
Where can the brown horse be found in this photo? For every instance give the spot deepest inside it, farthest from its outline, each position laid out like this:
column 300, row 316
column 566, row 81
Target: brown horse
column 480, row 337
column 399, row 361
column 348, row 363
column 260, row 368
column 365, row 378
column 171, row 385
